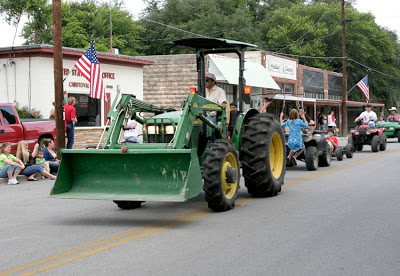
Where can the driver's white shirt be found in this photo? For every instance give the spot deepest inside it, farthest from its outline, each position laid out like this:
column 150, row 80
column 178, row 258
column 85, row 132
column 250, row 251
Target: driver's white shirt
column 368, row 116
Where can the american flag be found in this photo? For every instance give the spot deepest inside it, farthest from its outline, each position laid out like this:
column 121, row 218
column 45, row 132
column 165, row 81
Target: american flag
column 89, row 67
column 363, row 85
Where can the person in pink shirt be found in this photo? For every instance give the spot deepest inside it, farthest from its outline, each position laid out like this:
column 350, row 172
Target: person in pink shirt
column 393, row 117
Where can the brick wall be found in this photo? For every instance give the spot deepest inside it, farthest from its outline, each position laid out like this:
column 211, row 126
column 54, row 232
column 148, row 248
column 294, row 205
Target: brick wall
column 167, row 82
column 87, row 136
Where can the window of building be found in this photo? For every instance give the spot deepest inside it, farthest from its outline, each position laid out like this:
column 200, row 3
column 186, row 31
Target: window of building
column 281, row 87
column 289, row 88
column 88, row 110
column 8, row 115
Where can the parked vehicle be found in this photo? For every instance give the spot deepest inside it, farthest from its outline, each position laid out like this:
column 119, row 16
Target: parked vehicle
column 13, row 129
column 368, row 134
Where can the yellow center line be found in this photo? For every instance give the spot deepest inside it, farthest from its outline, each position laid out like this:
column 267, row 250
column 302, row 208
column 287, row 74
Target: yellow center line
column 97, row 250
column 101, row 242
column 176, row 221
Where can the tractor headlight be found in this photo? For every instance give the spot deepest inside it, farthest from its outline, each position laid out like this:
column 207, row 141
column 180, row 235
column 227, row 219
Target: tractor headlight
column 356, row 133
column 169, row 129
column 391, row 128
column 368, row 133
column 152, row 130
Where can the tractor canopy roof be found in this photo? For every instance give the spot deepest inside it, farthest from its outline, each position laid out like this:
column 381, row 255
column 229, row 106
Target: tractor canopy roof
column 211, row 43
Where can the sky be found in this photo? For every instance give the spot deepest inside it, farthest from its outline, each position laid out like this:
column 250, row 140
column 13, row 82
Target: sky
column 387, row 14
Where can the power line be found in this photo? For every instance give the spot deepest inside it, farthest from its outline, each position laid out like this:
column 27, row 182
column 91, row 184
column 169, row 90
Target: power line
column 371, row 69
column 308, row 41
column 171, row 27
column 306, row 32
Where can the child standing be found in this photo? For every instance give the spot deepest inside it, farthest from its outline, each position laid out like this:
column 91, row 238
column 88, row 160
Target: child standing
column 295, row 140
column 41, row 161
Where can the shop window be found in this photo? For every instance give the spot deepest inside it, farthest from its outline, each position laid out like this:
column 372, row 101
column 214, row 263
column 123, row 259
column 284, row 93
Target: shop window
column 88, row 110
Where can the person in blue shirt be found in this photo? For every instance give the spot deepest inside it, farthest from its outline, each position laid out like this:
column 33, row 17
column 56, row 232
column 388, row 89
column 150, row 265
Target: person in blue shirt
column 295, row 140
column 50, row 154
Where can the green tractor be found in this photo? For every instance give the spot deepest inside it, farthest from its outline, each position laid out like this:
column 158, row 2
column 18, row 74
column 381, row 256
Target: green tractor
column 183, row 152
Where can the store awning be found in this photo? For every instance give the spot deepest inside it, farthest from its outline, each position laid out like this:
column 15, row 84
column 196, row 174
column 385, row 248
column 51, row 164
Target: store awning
column 227, row 69
column 293, row 98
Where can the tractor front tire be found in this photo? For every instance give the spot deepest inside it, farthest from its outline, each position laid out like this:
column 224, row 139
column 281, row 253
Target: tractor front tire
column 311, row 157
column 349, row 150
column 128, row 205
column 221, row 174
column 375, row 143
column 263, row 155
column 339, row 154
column 324, row 160
column 382, row 146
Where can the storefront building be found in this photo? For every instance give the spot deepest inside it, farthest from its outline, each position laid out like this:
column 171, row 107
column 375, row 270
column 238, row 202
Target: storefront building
column 27, row 80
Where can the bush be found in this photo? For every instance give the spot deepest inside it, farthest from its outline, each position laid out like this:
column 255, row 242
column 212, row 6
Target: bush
column 24, row 111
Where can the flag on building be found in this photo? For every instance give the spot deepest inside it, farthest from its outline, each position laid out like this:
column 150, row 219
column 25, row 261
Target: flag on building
column 363, row 85
column 88, row 65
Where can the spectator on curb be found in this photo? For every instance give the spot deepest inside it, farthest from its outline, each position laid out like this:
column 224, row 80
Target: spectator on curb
column 331, row 120
column 50, row 154
column 10, row 166
column 31, row 169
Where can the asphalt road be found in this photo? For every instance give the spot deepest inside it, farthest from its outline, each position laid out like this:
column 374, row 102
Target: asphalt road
column 340, row 220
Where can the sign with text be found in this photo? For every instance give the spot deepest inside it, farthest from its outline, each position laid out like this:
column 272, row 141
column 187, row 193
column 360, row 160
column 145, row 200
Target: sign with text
column 281, row 68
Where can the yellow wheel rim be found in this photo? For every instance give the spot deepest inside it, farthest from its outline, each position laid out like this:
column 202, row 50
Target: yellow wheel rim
column 276, row 155
column 229, row 189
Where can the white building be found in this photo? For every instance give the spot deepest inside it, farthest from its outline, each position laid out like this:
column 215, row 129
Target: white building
column 27, row 79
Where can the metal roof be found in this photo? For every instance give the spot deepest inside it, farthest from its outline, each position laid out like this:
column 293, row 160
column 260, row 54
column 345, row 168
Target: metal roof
column 293, row 98
column 227, row 69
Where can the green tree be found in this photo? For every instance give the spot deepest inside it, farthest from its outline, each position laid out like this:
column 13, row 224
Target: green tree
column 82, row 22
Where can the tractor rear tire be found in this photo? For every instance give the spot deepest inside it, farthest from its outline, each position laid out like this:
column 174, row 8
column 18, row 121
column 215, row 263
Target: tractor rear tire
column 382, row 146
column 398, row 136
column 263, row 155
column 222, row 159
column 311, row 158
column 359, row 147
column 128, row 205
column 349, row 150
column 324, row 160
column 339, row 154
column 375, row 143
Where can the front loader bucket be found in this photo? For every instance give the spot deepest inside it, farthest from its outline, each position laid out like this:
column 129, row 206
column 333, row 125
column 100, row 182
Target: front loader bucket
column 138, row 175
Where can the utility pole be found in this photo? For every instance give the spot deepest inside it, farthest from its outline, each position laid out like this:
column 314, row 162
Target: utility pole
column 58, row 75
column 344, row 71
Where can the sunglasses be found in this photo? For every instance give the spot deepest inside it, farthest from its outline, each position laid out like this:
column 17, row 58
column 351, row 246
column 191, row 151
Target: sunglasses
column 209, row 80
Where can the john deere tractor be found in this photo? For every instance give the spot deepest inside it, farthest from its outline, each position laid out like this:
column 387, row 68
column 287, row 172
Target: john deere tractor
column 183, row 152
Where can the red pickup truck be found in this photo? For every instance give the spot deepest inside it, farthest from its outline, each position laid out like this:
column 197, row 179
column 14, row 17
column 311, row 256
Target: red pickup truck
column 13, row 129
